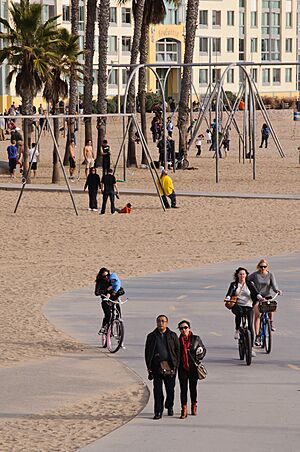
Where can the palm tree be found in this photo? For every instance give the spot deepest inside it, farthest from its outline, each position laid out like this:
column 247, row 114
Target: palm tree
column 88, row 73
column 56, row 87
column 138, row 13
column 102, row 72
column 190, row 33
column 29, row 50
column 73, row 91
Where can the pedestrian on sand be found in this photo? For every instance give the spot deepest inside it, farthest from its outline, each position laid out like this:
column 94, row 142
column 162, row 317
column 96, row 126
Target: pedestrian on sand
column 162, row 355
column 72, row 158
column 166, row 189
column 192, row 351
column 199, row 144
column 93, row 184
column 265, row 132
column 105, row 153
column 33, row 158
column 109, row 189
column 12, row 153
column 88, row 155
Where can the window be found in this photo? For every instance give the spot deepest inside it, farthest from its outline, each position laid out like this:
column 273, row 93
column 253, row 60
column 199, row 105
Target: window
column 276, row 76
column 289, row 45
column 230, row 18
column 242, row 3
column 216, row 18
column 253, row 19
column 288, row 20
column 266, row 76
column 216, row 75
column 216, row 45
column 253, row 45
column 66, row 13
column 230, row 76
column 203, row 76
column 242, row 24
column 172, row 17
column 113, row 78
column 230, row 44
column 288, row 74
column 126, row 16
column 125, row 76
column 113, row 15
column 275, row 23
column 167, row 50
column 126, row 43
column 203, row 45
column 203, row 17
column 112, row 44
column 95, row 76
column 265, row 49
column 275, row 49
column 253, row 72
column 241, row 49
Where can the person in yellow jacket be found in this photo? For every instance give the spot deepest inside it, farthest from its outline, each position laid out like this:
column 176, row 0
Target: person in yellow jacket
column 166, row 189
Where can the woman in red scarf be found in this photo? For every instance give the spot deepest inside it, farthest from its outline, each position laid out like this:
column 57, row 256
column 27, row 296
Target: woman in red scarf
column 192, row 351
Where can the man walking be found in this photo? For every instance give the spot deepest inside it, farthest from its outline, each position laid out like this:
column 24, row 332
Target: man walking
column 92, row 183
column 108, row 189
column 166, row 189
column 162, row 356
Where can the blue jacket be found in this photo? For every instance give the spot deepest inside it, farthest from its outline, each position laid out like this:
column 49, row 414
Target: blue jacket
column 115, row 281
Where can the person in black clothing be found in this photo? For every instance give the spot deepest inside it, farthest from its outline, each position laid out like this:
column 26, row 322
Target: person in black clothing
column 105, row 152
column 108, row 189
column 93, row 183
column 192, row 351
column 162, row 357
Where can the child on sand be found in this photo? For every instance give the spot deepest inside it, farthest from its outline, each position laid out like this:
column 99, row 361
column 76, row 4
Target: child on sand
column 126, row 209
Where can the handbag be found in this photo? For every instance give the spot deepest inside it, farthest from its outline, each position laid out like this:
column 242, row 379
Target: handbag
column 201, row 369
column 165, row 368
column 231, row 303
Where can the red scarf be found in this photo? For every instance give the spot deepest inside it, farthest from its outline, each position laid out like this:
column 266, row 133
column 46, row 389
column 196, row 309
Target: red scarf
column 185, row 346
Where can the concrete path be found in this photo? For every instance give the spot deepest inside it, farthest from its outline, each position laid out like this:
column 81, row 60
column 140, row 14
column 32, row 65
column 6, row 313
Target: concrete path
column 240, row 407
column 127, row 191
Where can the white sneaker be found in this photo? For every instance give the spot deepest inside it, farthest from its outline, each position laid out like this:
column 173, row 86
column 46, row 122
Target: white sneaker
column 94, row 210
column 90, row 209
column 253, row 354
column 236, row 335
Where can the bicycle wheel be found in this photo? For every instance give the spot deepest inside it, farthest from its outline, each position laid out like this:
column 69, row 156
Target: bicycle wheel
column 185, row 164
column 115, row 335
column 248, row 347
column 241, row 346
column 262, row 332
column 268, row 337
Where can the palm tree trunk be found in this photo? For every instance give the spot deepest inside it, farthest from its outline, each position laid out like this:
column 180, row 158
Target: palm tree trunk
column 142, row 83
column 102, row 74
column 27, row 102
column 138, row 21
column 55, row 167
column 73, row 98
column 183, row 108
column 88, row 74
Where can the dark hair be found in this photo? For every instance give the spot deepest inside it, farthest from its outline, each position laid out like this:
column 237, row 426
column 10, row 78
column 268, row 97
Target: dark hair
column 104, row 141
column 184, row 321
column 100, row 273
column 162, row 315
column 236, row 273
column 128, row 204
column 110, row 170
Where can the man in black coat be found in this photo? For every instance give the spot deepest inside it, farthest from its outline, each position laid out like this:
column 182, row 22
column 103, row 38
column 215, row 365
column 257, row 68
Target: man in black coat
column 162, row 356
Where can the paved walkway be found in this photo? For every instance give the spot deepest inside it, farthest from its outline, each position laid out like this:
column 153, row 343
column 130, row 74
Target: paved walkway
column 63, row 188
column 239, row 406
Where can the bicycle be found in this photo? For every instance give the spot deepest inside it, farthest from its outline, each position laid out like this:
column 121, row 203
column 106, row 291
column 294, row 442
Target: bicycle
column 265, row 331
column 245, row 341
column 113, row 337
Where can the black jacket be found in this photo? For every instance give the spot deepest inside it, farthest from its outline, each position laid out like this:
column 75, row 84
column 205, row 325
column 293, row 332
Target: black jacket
column 253, row 292
column 173, row 348
column 101, row 286
column 196, row 343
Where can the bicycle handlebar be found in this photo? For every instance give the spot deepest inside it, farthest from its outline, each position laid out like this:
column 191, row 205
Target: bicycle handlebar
column 118, row 301
column 270, row 299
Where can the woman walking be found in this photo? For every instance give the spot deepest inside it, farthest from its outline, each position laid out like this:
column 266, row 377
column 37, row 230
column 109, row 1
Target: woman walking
column 192, row 351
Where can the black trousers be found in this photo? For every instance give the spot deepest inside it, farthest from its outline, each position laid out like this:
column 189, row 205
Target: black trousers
column 198, row 150
column 169, row 383
column 238, row 312
column 93, row 199
column 172, row 197
column 111, row 196
column 264, row 140
column 187, row 379
column 107, row 312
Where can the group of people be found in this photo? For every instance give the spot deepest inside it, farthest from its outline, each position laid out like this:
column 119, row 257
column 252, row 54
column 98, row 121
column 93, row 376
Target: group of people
column 250, row 289
column 15, row 153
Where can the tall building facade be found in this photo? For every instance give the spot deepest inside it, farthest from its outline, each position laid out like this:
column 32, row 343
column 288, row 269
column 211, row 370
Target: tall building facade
column 257, row 31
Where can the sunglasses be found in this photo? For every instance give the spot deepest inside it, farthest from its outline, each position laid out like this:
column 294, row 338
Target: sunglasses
column 263, row 266
column 183, row 328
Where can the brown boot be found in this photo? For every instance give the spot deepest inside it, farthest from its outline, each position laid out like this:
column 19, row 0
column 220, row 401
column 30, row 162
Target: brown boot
column 184, row 412
column 194, row 409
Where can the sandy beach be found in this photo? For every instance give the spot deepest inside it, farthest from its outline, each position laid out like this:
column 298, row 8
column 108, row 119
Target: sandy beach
column 46, row 250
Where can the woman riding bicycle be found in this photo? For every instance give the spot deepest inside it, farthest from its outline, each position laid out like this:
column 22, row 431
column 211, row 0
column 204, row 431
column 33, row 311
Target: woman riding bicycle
column 247, row 297
column 108, row 285
column 265, row 283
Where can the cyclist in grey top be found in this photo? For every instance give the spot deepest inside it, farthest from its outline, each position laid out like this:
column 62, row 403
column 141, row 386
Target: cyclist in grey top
column 265, row 283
